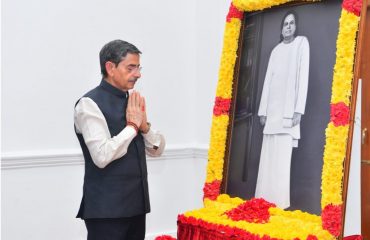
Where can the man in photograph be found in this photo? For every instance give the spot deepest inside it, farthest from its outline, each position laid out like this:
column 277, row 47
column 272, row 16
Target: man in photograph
column 112, row 128
column 282, row 104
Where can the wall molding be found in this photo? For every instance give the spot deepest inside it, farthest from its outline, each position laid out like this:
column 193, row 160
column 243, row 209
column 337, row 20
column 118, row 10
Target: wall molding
column 21, row 160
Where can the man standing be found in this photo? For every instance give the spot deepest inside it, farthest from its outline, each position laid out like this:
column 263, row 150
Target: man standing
column 282, row 104
column 112, row 128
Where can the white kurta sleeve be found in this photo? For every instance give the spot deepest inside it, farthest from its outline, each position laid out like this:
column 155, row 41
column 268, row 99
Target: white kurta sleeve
column 262, row 111
column 154, row 143
column 103, row 148
column 303, row 72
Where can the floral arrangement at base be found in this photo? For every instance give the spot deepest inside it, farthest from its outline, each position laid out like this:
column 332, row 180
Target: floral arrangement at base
column 255, row 210
column 230, row 214
column 277, row 223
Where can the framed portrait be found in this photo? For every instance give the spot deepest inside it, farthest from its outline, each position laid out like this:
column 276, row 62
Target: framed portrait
column 282, row 122
column 280, row 80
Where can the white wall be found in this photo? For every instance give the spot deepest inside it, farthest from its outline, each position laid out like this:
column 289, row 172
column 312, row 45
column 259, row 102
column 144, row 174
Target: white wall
column 50, row 53
column 40, row 203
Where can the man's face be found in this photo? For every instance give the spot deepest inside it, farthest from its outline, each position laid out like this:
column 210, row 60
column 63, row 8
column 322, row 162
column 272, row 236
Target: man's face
column 126, row 73
column 289, row 27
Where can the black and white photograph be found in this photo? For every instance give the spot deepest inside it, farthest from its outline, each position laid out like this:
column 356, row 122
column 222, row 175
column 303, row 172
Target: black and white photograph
column 283, row 104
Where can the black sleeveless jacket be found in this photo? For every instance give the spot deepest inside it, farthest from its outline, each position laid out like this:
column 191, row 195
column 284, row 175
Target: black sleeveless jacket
column 121, row 188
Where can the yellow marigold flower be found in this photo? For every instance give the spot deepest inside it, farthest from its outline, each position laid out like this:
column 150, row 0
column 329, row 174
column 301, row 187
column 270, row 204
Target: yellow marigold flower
column 254, row 5
column 228, row 58
column 216, row 150
column 343, row 69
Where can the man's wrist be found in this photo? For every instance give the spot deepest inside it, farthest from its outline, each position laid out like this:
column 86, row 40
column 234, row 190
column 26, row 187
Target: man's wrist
column 132, row 124
column 146, row 128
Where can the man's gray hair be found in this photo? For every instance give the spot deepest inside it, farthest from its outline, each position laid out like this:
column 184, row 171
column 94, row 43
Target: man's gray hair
column 115, row 51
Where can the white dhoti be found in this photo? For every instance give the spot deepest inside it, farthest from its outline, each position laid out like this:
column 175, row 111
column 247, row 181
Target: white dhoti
column 273, row 182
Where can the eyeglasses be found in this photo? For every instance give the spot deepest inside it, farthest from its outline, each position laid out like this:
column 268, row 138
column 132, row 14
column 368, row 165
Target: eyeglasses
column 134, row 69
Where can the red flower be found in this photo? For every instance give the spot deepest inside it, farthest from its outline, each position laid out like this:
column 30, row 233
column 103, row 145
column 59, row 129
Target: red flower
column 353, row 6
column 311, row 237
column 332, row 219
column 217, row 230
column 339, row 114
column 212, row 190
column 234, row 13
column 165, row 237
column 222, row 106
column 255, row 210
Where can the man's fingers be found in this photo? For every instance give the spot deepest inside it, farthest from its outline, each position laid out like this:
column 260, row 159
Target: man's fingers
column 138, row 100
column 133, row 99
column 143, row 106
column 129, row 104
column 133, row 96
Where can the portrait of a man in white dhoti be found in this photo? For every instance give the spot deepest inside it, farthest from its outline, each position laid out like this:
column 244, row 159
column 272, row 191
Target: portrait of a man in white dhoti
column 281, row 107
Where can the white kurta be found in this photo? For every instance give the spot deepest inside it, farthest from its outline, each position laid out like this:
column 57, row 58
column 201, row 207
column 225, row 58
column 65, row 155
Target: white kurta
column 284, row 93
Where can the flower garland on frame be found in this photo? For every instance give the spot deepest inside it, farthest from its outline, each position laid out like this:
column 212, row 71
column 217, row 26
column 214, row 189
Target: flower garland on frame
column 220, row 119
column 337, row 130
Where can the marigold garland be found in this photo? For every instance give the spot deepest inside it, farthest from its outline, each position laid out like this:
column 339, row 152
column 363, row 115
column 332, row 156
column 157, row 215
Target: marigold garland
column 353, row 6
column 255, row 210
column 234, row 13
column 282, row 224
column 226, row 231
column 212, row 190
column 312, row 237
column 222, row 106
column 339, row 114
column 332, row 219
column 216, row 150
column 226, row 73
column 337, row 130
column 255, row 5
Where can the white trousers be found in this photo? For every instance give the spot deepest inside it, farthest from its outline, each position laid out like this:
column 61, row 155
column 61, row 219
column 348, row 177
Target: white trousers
column 273, row 181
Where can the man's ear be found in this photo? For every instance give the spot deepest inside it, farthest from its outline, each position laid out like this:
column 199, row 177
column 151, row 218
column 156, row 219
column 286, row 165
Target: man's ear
column 109, row 67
